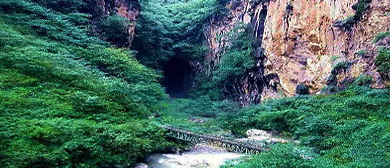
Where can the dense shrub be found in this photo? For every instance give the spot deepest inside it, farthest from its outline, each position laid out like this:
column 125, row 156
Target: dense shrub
column 197, row 115
column 346, row 129
column 360, row 7
column 288, row 156
column 235, row 60
column 340, row 67
column 169, row 28
column 363, row 80
column 114, row 28
column 382, row 61
column 67, row 99
column 381, row 36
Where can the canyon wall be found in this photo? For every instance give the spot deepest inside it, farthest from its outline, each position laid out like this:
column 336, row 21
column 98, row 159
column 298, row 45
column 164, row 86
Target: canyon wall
column 300, row 43
column 254, row 84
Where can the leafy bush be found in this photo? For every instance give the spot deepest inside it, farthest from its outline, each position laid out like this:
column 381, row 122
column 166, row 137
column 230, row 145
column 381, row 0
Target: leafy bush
column 67, row 99
column 361, row 53
column 382, row 61
column 381, row 36
column 199, row 115
column 286, row 155
column 236, row 60
column 114, row 28
column 360, row 7
column 336, row 70
column 340, row 66
column 63, row 6
column 168, row 28
column 363, row 80
column 203, row 107
column 346, row 129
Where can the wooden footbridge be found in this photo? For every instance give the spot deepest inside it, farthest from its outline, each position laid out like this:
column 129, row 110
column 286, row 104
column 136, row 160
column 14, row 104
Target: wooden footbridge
column 232, row 146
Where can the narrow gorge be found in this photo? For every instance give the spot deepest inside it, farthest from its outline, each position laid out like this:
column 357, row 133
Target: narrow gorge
column 194, row 83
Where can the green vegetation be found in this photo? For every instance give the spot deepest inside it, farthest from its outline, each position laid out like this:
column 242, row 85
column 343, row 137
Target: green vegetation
column 361, row 53
column 176, row 28
column 235, row 61
column 360, row 7
column 169, row 28
column 347, row 129
column 67, row 99
column 334, row 58
column 285, row 155
column 198, row 115
column 382, row 62
column 381, row 36
column 70, row 99
column 340, row 66
column 238, row 57
column 363, row 80
column 114, row 29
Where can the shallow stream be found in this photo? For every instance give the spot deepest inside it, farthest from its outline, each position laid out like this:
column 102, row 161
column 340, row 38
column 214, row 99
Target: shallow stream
column 201, row 156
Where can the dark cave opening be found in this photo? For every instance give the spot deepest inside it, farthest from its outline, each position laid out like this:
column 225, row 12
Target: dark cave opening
column 177, row 73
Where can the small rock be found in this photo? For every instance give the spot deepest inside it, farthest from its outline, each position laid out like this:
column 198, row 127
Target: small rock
column 141, row 165
column 256, row 133
column 197, row 120
column 256, row 136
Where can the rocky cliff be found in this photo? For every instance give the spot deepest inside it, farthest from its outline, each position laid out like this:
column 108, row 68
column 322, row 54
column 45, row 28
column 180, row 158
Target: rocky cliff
column 302, row 42
column 254, row 84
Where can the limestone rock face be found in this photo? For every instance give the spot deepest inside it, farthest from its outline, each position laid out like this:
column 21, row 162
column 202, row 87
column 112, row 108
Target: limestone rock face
column 253, row 84
column 301, row 44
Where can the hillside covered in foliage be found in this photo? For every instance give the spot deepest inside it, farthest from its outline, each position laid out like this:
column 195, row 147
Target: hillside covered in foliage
column 68, row 99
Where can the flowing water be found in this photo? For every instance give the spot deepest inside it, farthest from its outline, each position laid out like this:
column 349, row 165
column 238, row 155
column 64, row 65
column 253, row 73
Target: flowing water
column 204, row 156
column 201, row 156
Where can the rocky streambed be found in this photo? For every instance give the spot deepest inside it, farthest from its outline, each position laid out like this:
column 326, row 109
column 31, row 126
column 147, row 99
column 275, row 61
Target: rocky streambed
column 200, row 156
column 205, row 156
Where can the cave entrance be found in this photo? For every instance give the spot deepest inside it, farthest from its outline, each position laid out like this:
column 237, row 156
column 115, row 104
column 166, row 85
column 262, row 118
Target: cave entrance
column 177, row 73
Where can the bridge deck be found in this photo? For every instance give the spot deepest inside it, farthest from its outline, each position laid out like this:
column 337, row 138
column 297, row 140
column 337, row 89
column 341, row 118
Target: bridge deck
column 220, row 142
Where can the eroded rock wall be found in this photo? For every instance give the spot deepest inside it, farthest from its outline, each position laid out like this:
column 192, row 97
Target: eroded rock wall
column 251, row 87
column 301, row 44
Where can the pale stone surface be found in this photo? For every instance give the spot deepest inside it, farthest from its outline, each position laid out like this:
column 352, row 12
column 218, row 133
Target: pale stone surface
column 309, row 30
column 301, row 44
column 255, row 135
column 141, row 165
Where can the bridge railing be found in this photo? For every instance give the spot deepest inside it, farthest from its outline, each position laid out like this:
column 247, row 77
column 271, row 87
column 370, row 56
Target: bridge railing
column 230, row 145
